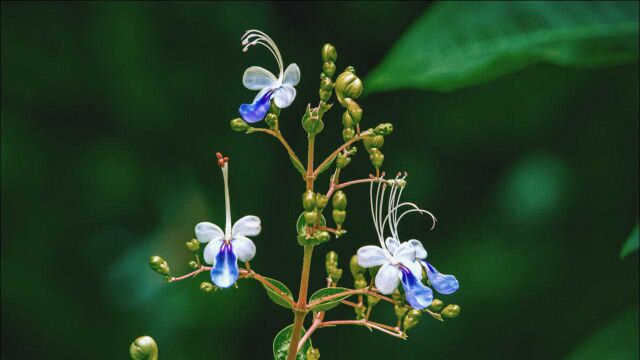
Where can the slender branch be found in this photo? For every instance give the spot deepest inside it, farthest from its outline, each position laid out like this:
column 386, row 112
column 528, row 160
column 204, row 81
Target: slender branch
column 310, row 154
column 337, row 151
column 267, row 283
column 349, row 293
column 300, row 308
column 368, row 324
column 331, row 230
column 316, row 323
column 335, row 186
column 349, row 303
column 278, row 135
column 191, row 274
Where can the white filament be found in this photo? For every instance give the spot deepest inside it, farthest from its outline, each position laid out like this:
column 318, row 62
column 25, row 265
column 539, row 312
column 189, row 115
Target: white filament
column 257, row 37
column 227, row 201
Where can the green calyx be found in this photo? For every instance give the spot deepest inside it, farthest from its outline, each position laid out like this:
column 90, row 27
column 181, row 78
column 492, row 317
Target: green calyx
column 159, row 265
column 451, row 311
column 411, row 319
column 311, row 121
column 193, row 245
column 239, row 125
column 308, row 200
column 436, row 305
column 383, row 129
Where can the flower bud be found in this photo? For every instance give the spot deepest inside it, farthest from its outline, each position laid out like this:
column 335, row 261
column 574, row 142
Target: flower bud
column 342, row 161
column 194, row 265
column 355, row 268
column 311, row 122
column 159, row 265
column 143, row 348
column 451, row 311
column 308, row 200
column 372, row 300
column 397, row 296
column 335, row 275
column 348, row 134
column 310, row 217
column 321, row 201
column 339, row 216
column 348, row 86
column 339, row 200
column 271, row 120
column 359, row 282
column 400, row 311
column 329, row 68
column 326, row 83
column 347, row 121
column 355, row 111
column 329, row 53
column 360, row 312
column 207, row 286
column 193, row 245
column 324, row 95
column 411, row 319
column 239, row 125
column 436, row 305
column 330, row 261
column 322, row 236
column 313, row 353
column 383, row 129
column 376, row 157
column 375, row 141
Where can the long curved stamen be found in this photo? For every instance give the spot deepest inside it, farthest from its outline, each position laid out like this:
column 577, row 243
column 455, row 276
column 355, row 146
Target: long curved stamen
column 375, row 210
column 421, row 211
column 379, row 221
column 223, row 162
column 257, row 37
column 395, row 213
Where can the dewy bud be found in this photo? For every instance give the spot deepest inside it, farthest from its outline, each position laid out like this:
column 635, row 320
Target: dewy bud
column 342, row 161
column 308, row 200
column 330, row 261
column 313, row 353
column 451, row 311
column 411, row 319
column 436, row 305
column 348, row 86
column 329, row 53
column 384, row 129
column 193, row 264
column 339, row 200
column 355, row 268
column 144, row 348
column 360, row 282
column 193, row 245
column 239, row 125
column 159, row 265
column 321, row 201
column 207, row 286
column 310, row 217
column 339, row 216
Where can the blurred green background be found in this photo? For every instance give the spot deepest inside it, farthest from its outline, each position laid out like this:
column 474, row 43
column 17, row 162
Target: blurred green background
column 112, row 113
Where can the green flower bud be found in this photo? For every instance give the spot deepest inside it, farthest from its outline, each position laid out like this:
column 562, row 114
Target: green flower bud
column 339, row 216
column 383, row 129
column 239, row 125
column 159, row 265
column 400, row 311
column 372, row 300
column 322, row 236
column 371, row 142
column 321, row 201
column 347, row 121
column 342, row 161
column 355, row 111
column 451, row 311
column 330, row 261
column 355, row 268
column 335, row 275
column 359, row 282
column 348, row 86
column 373, row 271
column 326, row 83
column 274, row 109
column 348, row 134
column 329, row 68
column 324, row 107
column 411, row 319
column 311, row 122
column 325, row 95
column 193, row 245
column 329, row 53
column 207, row 286
column 310, row 217
column 360, row 312
column 271, row 120
column 143, row 348
column 397, row 296
column 313, row 353
column 436, row 305
column 376, row 157
column 308, row 200
column 193, row 264
column 339, row 200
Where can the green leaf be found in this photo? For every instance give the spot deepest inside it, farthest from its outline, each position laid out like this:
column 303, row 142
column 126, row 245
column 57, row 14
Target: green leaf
column 281, row 344
column 298, row 166
column 277, row 298
column 617, row 340
column 327, row 292
column 631, row 244
column 459, row 44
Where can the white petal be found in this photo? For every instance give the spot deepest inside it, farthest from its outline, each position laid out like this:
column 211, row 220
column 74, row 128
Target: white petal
column 291, row 75
column 392, row 244
column 284, row 95
column 414, row 267
column 257, row 78
column 421, row 253
column 244, row 248
column 405, row 252
column 388, row 279
column 247, row 226
column 370, row 256
column 206, row 231
column 211, row 250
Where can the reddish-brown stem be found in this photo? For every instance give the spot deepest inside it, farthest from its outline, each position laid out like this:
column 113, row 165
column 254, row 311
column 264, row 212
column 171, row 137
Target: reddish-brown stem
column 265, row 282
column 349, row 303
column 349, row 293
column 316, row 323
column 279, row 136
column 337, row 151
column 300, row 308
column 368, row 324
column 191, row 274
column 334, row 186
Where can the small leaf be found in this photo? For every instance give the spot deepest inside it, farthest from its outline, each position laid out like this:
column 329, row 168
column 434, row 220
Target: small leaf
column 326, row 166
column 281, row 344
column 329, row 304
column 459, row 44
column 277, row 298
column 298, row 165
column 631, row 244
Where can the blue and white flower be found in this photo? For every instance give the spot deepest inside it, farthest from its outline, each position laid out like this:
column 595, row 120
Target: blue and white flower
column 280, row 89
column 225, row 248
column 401, row 263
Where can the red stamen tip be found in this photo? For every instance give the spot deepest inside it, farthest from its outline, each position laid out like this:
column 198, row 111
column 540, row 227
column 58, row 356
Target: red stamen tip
column 222, row 160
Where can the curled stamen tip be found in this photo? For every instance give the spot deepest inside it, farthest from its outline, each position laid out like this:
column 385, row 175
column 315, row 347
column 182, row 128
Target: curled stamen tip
column 245, row 42
column 222, row 160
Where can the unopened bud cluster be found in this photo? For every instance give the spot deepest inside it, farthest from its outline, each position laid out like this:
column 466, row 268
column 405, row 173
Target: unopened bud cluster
column 160, row 266
column 331, row 265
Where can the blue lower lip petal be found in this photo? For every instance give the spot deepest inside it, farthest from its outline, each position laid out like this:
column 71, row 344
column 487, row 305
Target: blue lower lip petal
column 418, row 295
column 442, row 283
column 256, row 111
column 225, row 271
